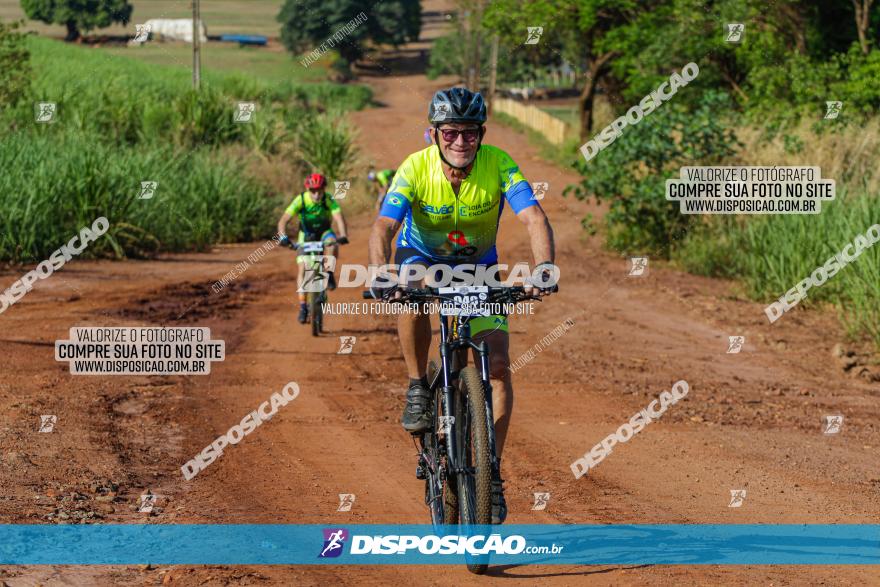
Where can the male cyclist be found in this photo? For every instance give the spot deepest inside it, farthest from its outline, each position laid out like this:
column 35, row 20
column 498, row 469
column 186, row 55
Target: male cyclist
column 448, row 198
column 316, row 209
column 383, row 178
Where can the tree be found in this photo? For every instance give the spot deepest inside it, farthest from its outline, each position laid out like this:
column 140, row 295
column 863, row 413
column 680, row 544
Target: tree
column 78, row 15
column 863, row 19
column 579, row 26
column 15, row 67
column 345, row 25
column 792, row 52
column 448, row 58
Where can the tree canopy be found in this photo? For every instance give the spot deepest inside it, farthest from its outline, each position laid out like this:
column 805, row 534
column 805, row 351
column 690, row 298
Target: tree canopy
column 793, row 52
column 306, row 24
column 78, row 15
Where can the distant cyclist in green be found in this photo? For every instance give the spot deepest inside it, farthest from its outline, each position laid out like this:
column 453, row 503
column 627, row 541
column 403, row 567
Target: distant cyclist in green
column 382, row 178
column 448, row 200
column 316, row 211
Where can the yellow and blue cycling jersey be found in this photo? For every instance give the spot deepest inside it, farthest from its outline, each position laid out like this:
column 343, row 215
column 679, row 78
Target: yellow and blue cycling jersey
column 449, row 228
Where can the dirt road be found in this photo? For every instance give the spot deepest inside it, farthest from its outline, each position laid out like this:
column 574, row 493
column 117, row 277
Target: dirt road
column 752, row 420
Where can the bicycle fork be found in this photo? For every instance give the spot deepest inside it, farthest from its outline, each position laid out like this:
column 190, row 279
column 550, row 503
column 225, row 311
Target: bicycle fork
column 448, row 390
column 483, row 351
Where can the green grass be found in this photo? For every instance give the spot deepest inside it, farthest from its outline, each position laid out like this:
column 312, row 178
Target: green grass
column 73, row 69
column 563, row 155
column 270, row 65
column 56, row 183
column 771, row 254
column 121, row 121
column 567, row 114
column 255, row 17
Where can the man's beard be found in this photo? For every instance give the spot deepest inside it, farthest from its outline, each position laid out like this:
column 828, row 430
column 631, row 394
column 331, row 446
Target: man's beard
column 461, row 173
column 467, row 167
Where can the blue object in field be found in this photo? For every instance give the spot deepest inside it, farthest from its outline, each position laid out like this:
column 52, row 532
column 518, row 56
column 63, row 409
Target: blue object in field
column 245, row 39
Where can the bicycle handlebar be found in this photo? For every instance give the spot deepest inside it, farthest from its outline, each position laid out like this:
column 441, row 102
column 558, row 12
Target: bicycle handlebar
column 513, row 294
column 294, row 246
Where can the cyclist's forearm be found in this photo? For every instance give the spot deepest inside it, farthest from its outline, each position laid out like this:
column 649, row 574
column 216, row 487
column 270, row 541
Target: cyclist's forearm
column 340, row 224
column 380, row 242
column 541, row 235
column 282, row 223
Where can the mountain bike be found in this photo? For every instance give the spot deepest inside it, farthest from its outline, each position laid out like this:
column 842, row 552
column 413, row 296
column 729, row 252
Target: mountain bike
column 457, row 456
column 315, row 278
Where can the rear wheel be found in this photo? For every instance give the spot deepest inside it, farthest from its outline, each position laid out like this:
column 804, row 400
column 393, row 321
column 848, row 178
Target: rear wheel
column 474, row 487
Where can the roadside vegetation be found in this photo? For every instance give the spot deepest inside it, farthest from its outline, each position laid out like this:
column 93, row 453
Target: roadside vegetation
column 760, row 100
column 119, row 122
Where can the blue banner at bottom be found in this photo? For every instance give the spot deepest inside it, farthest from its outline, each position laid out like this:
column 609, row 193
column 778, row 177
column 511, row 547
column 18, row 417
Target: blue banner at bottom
column 259, row 544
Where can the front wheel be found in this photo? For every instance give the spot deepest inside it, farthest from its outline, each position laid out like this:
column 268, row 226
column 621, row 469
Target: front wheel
column 474, row 488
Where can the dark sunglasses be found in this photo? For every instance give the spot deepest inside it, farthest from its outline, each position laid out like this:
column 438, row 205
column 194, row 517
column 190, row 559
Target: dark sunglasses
column 450, row 135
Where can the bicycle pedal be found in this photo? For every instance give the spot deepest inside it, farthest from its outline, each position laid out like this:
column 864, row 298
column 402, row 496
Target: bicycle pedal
column 420, row 473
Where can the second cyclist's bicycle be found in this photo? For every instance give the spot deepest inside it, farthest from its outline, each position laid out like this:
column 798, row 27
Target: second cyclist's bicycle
column 315, row 278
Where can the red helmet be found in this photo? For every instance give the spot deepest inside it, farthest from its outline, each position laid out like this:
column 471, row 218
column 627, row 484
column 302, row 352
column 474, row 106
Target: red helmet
column 315, row 181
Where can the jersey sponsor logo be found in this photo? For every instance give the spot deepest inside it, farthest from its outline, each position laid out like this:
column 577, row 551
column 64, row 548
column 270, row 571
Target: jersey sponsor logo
column 477, row 209
column 457, row 237
column 429, row 209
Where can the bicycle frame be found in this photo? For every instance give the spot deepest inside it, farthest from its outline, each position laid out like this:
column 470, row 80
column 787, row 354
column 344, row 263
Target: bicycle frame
column 441, row 460
column 449, row 367
column 313, row 265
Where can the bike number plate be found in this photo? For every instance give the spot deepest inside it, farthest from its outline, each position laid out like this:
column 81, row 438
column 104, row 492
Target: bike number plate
column 312, row 247
column 464, row 300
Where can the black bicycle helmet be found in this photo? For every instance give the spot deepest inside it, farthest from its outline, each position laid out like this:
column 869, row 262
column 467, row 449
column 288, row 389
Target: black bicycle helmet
column 457, row 105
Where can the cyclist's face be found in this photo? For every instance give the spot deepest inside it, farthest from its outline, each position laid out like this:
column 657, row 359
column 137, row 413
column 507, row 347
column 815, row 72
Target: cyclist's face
column 459, row 147
column 315, row 194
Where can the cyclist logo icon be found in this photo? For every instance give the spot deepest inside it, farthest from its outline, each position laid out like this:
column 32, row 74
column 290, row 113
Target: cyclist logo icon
column 832, row 424
column 541, row 501
column 441, row 110
column 346, row 500
column 446, row 423
column 148, row 188
column 45, row 111
column 245, row 112
column 735, row 344
column 315, row 280
column 148, row 500
column 535, row 33
column 142, row 34
column 832, row 109
column 638, row 266
column 737, row 496
column 735, row 32
column 540, row 189
column 346, row 345
column 47, row 423
column 342, row 188
column 333, row 541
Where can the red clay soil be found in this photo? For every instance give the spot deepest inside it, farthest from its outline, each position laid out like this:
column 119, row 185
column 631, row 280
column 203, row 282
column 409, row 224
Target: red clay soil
column 751, row 421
